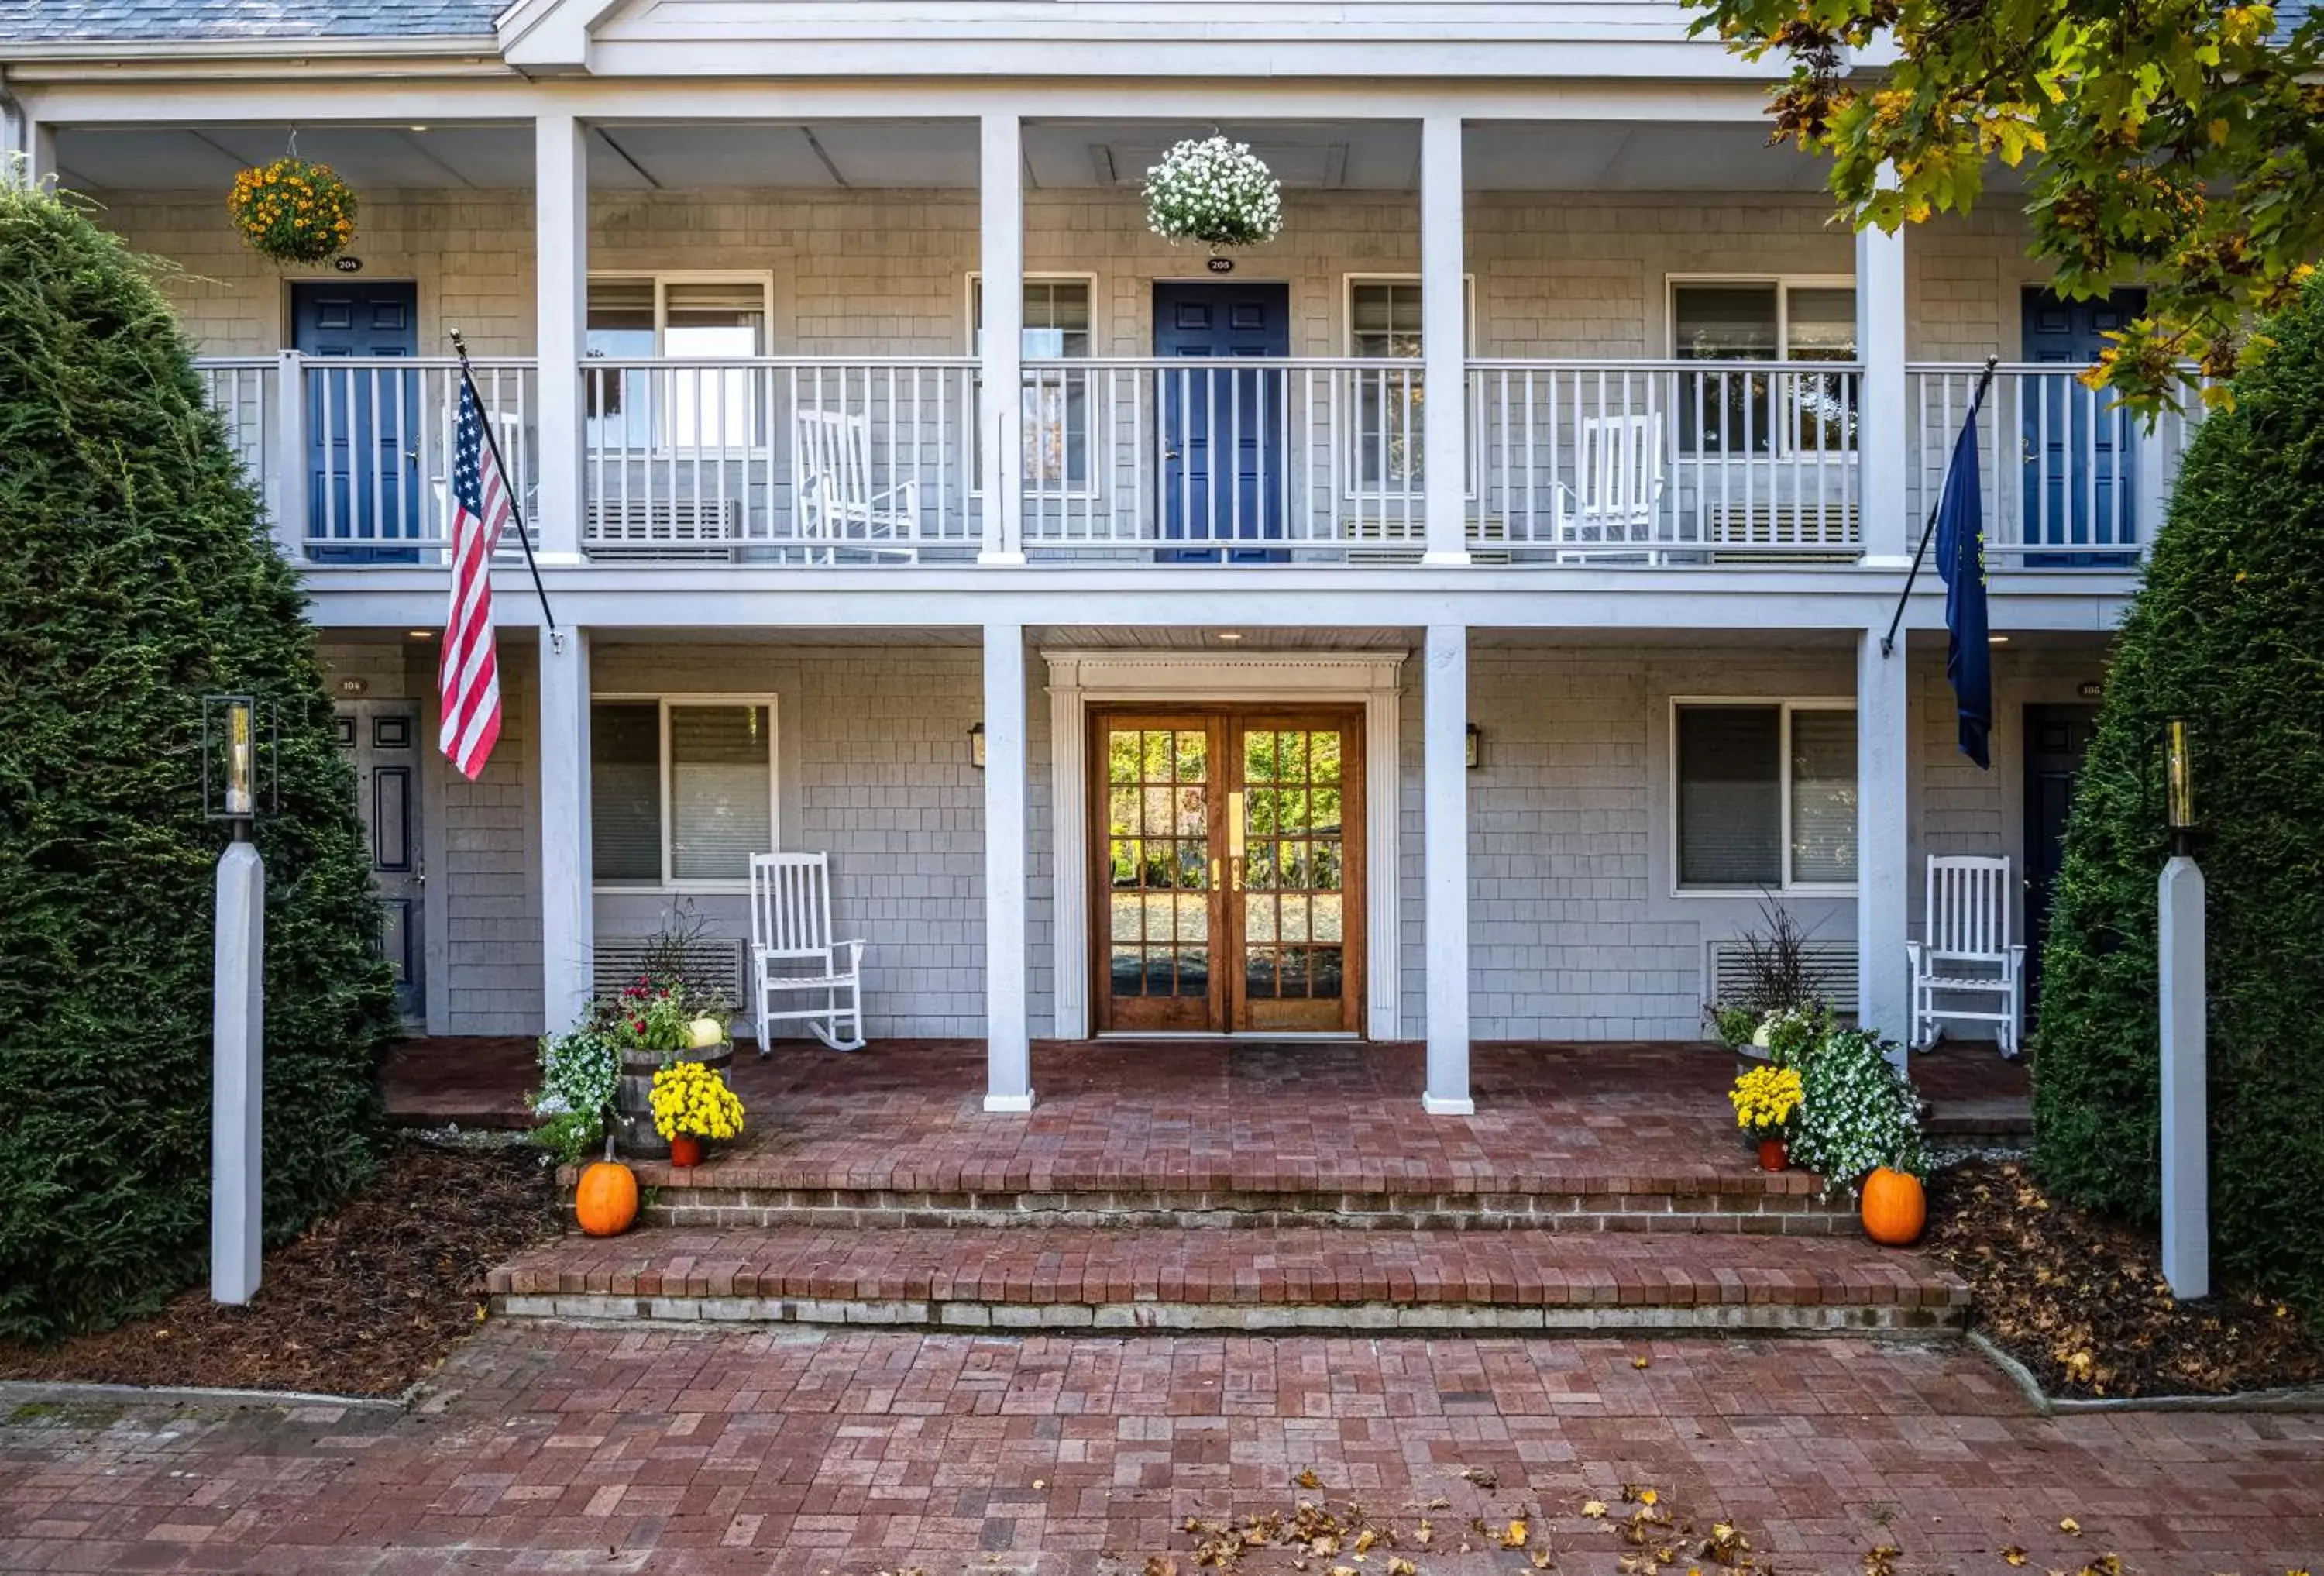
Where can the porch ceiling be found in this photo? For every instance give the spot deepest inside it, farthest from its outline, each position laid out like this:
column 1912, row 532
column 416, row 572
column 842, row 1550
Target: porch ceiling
column 942, row 154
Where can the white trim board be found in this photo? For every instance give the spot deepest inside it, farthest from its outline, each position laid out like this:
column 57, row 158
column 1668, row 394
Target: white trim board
column 1076, row 679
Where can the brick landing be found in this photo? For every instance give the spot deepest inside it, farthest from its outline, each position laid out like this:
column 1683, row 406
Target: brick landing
column 1256, row 1280
column 1595, row 1137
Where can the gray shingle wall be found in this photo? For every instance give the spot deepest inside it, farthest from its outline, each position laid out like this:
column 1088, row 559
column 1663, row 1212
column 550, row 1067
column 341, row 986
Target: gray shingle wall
column 136, row 19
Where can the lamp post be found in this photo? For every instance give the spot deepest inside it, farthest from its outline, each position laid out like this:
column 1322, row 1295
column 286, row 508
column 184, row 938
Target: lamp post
column 2186, row 1148
column 232, row 749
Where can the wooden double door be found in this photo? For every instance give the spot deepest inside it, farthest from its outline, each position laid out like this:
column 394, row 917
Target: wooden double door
column 1228, row 853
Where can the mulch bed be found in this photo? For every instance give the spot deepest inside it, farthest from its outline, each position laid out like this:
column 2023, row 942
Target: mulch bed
column 2081, row 1300
column 362, row 1304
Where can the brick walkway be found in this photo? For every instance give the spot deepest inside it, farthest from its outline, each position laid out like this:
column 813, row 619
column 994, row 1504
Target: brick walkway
column 588, row 1450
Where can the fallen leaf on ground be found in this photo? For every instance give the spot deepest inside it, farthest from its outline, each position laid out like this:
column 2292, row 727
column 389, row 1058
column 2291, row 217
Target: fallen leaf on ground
column 1307, row 1478
column 1514, row 1536
column 1637, row 1363
column 1593, row 1508
column 1161, row 1565
column 2070, row 1527
column 1483, row 1477
column 2013, row 1555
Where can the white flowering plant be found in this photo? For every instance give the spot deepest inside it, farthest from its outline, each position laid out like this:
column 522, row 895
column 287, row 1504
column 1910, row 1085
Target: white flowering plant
column 578, row 1072
column 1857, row 1112
column 1215, row 191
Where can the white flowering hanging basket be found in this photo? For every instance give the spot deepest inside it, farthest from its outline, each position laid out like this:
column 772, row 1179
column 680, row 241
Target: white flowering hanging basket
column 1214, row 191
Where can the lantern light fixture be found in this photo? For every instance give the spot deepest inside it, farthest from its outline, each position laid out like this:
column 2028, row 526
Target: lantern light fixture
column 241, row 777
column 977, row 746
column 2179, row 781
column 1475, row 753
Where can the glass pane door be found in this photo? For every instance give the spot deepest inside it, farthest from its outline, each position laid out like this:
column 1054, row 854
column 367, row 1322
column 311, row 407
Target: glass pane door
column 1156, row 971
column 1296, row 806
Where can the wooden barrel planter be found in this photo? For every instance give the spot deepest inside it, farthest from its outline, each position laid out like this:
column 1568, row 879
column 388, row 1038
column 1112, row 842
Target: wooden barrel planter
column 634, row 1128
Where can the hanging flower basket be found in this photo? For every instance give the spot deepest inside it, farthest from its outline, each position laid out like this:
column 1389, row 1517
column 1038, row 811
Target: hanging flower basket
column 293, row 211
column 1214, row 191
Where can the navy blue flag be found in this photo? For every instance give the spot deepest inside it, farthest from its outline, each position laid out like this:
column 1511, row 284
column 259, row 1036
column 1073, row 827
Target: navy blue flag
column 1960, row 559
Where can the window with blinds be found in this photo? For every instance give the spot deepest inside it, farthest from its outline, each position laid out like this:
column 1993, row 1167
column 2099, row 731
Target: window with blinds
column 1765, row 795
column 681, row 792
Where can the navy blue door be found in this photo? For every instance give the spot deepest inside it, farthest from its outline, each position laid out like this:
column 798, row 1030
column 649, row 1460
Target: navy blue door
column 2057, row 743
column 363, row 485
column 1222, row 475
column 2080, row 458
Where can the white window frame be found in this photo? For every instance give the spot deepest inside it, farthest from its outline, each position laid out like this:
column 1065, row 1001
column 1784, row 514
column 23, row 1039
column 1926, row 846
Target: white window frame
column 1351, row 488
column 1785, row 441
column 659, row 441
column 972, row 283
column 1785, row 706
column 665, row 770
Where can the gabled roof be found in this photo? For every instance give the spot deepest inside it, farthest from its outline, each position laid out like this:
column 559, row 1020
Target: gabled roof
column 90, row 21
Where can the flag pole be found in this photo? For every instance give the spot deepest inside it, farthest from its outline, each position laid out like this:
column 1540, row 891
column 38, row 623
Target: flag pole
column 1977, row 401
column 516, row 510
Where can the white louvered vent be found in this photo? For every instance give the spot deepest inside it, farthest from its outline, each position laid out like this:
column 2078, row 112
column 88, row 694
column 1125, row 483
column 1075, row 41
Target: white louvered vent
column 1831, row 963
column 717, row 960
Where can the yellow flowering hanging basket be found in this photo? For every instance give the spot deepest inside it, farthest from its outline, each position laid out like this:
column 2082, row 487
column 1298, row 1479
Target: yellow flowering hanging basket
column 293, row 211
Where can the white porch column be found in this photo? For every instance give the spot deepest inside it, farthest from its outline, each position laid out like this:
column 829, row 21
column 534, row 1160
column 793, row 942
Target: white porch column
column 1001, row 262
column 1008, row 1055
column 561, row 284
column 1444, row 803
column 567, row 929
column 1445, row 336
column 287, row 457
column 1884, row 859
column 1882, row 416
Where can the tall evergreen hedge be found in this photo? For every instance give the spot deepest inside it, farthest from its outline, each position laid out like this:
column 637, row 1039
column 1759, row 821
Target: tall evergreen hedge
column 2228, row 632
column 135, row 576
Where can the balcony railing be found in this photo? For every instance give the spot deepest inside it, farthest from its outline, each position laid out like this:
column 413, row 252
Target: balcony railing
column 2069, row 480
column 1148, row 460
column 1663, row 461
column 1187, row 461
column 774, row 461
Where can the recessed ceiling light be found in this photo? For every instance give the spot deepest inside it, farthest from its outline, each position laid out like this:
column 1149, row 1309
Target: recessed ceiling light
column 418, row 128
column 1996, row 640
column 1231, row 636
column 423, row 634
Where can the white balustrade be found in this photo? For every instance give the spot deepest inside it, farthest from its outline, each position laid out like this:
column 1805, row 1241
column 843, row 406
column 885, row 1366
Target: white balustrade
column 2068, row 478
column 1657, row 462
column 779, row 460
column 1204, row 461
column 379, row 451
column 241, row 390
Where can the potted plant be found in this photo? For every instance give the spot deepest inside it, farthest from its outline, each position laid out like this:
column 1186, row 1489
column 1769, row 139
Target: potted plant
column 1859, row 1127
column 1766, row 1100
column 293, row 210
column 652, row 1024
column 578, row 1072
column 693, row 1105
column 1212, row 190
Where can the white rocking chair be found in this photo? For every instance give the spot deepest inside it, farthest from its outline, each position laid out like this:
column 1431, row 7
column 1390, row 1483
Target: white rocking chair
column 1620, row 470
column 1966, row 952
column 792, row 952
column 838, row 507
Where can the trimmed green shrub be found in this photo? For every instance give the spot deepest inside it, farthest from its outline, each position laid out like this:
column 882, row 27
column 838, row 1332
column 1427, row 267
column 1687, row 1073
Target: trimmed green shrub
column 2228, row 632
column 135, row 577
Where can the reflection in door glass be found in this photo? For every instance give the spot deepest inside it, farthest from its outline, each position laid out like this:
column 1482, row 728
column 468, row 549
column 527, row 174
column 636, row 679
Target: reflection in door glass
column 1294, row 894
column 1157, row 841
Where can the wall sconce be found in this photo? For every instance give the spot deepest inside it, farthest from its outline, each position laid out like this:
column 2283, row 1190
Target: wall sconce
column 2179, row 784
column 977, row 746
column 239, row 770
column 1475, row 746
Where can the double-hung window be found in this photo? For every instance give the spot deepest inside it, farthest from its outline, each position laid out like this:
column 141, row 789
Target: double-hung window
column 1384, row 324
column 687, row 321
column 1057, row 421
column 681, row 792
column 1750, row 412
column 1765, row 795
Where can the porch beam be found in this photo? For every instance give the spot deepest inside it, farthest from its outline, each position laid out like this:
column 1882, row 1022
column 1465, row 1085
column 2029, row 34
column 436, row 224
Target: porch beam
column 567, row 929
column 1001, row 261
column 561, row 286
column 1008, row 1048
column 1883, row 430
column 1443, row 340
column 1445, row 807
column 1884, row 863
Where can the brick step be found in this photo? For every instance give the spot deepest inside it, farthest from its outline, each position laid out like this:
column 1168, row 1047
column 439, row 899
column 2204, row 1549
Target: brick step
column 1266, row 1279
column 742, row 1193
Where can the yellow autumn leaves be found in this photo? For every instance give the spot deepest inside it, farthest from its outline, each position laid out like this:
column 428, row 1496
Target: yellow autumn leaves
column 293, row 211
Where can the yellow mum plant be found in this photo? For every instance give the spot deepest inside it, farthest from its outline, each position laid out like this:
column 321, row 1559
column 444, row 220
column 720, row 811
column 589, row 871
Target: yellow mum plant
column 293, row 211
column 689, row 1098
column 1765, row 1098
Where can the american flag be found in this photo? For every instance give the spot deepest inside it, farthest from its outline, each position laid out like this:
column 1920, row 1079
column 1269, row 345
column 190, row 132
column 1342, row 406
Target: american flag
column 469, row 680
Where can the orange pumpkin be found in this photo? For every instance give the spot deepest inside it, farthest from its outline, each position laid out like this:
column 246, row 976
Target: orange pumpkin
column 1894, row 1208
column 607, row 1199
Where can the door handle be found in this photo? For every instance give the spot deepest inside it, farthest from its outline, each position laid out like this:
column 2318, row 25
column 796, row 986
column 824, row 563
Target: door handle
column 1169, row 454
column 1215, row 873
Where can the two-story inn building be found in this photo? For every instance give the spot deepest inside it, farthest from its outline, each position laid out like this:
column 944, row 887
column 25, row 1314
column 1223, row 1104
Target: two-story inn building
column 1454, row 620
